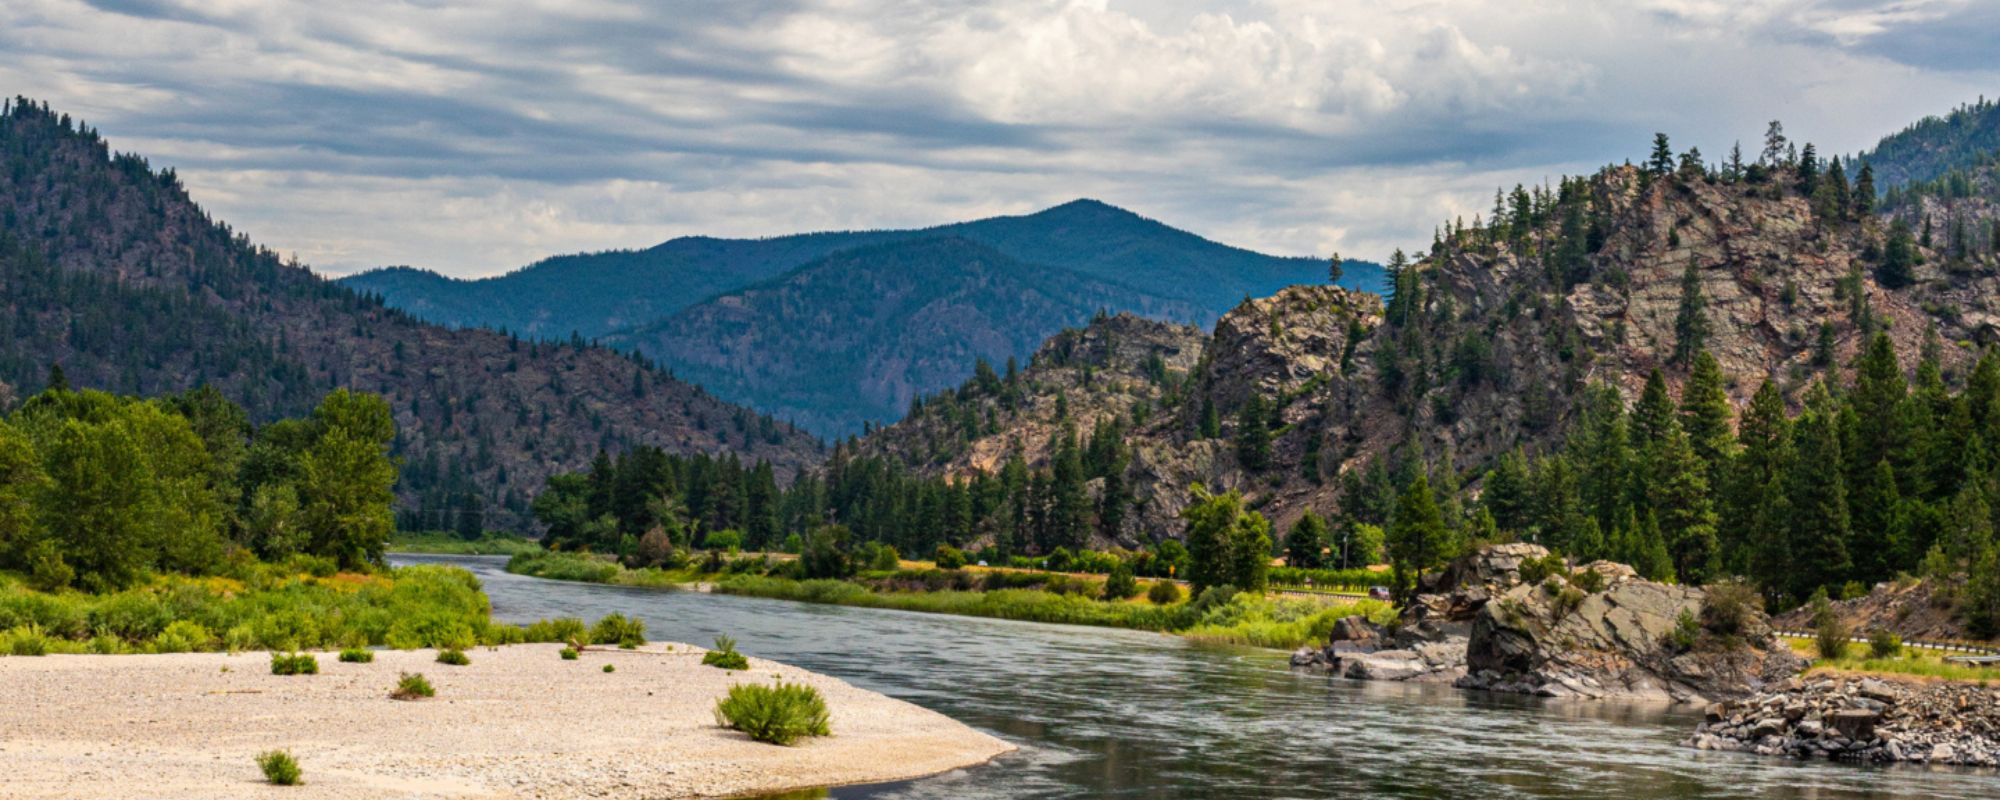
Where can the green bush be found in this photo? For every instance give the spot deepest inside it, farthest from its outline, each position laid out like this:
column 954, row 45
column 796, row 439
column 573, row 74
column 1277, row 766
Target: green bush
column 453, row 657
column 726, row 539
column 564, row 566
column 724, row 655
column 560, row 629
column 1119, row 584
column 1164, row 593
column 886, row 558
column 413, row 686
column 1830, row 634
column 1884, row 643
column 1589, row 580
column 610, row 668
column 357, row 655
column 618, row 629
column 781, row 714
column 294, row 664
column 1686, row 632
column 569, row 654
column 948, row 557
column 1536, row 570
column 182, row 636
column 26, row 640
column 1728, row 607
column 279, row 768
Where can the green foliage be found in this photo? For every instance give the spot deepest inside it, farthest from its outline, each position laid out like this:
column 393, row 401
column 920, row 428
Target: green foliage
column 568, row 654
column 1227, row 546
column 1417, row 537
column 413, row 686
column 1884, row 643
column 1305, row 544
column 1686, row 632
column 559, row 629
column 24, row 640
column 357, row 655
column 727, row 539
column 563, row 566
column 618, row 629
column 948, row 557
column 610, row 668
column 825, row 555
column 450, row 543
column 781, row 714
column 1537, row 570
column 724, row 655
column 1163, row 593
column 453, row 657
column 279, row 768
column 1120, row 584
column 294, row 664
column 886, row 558
column 1830, row 634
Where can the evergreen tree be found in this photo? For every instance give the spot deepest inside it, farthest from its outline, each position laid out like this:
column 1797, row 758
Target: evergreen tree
column 1678, row 492
column 1819, row 523
column 1654, row 414
column 1691, row 326
column 1417, row 538
column 1509, row 494
column 1864, row 192
column 1306, row 541
column 1253, row 433
column 1661, row 163
column 1899, row 258
column 1705, row 415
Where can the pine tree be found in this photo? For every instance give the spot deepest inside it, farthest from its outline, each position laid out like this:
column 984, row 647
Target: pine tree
column 1253, row 433
column 1774, row 145
column 1879, row 401
column 1864, row 192
column 1509, row 496
column 1819, row 524
column 1654, row 414
column 1333, row 270
column 1691, row 327
column 1417, row 539
column 1306, row 541
column 1661, row 163
column 1705, row 415
column 1678, row 493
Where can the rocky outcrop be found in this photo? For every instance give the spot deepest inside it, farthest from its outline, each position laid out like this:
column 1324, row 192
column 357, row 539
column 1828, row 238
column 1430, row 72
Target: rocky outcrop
column 1913, row 610
column 1860, row 719
column 1591, row 631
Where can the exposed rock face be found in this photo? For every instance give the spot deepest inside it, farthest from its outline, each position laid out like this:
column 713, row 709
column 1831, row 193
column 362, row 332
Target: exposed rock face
column 1480, row 626
column 1860, row 719
column 1558, row 641
column 1911, row 610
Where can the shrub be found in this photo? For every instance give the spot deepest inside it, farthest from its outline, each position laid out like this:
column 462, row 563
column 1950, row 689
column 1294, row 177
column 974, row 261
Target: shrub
column 569, row 654
column 780, row 714
column 413, row 686
column 1119, row 584
column 1589, row 580
column 1728, row 608
column 724, row 655
column 725, row 539
column 1164, row 593
column 453, row 657
column 618, row 629
column 1536, row 570
column 294, row 664
column 948, row 557
column 1568, row 600
column 1686, row 632
column 560, row 629
column 610, row 668
column 182, row 636
column 1829, row 632
column 357, row 655
column 1058, row 560
column 1884, row 643
column 27, row 640
column 279, row 768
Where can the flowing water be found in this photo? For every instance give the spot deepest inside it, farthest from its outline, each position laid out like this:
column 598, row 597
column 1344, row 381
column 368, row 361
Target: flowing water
column 1110, row 713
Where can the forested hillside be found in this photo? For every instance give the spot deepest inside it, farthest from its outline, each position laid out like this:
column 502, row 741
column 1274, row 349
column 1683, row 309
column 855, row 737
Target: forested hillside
column 110, row 271
column 1572, row 368
column 853, row 338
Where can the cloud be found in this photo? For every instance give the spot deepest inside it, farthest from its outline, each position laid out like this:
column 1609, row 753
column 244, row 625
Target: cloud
column 473, row 138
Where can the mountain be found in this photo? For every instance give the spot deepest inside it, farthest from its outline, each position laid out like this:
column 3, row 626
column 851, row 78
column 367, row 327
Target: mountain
column 600, row 293
column 1308, row 399
column 740, row 316
column 854, row 336
column 112, row 272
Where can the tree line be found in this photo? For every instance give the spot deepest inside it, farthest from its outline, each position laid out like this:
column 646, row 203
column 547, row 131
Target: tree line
column 97, row 490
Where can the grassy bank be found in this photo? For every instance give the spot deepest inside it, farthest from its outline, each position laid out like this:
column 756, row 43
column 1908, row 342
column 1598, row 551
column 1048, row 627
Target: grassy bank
column 1028, row 596
column 255, row 607
column 1912, row 662
column 450, row 544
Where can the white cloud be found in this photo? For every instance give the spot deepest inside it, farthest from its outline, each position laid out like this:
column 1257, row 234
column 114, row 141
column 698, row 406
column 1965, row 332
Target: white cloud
column 476, row 138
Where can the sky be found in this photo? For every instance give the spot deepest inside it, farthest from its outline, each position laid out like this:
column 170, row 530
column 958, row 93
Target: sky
column 475, row 138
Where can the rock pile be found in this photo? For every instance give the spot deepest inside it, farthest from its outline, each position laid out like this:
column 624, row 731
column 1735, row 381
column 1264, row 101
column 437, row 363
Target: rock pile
column 1860, row 719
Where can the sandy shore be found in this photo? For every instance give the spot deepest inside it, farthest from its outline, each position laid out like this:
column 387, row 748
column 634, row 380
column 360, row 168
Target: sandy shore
column 517, row 722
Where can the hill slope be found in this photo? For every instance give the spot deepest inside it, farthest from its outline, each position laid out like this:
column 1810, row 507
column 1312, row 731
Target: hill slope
column 599, row 293
column 110, row 270
column 855, row 336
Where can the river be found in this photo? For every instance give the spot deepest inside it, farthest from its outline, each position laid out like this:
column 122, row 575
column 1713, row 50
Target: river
column 1111, row 713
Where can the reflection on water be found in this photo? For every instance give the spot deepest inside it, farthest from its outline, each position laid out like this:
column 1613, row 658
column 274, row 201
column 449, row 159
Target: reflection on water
column 1109, row 713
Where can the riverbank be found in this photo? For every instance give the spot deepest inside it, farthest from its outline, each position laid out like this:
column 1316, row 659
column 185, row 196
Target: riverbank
column 517, row 722
column 1282, row 623
column 1861, row 719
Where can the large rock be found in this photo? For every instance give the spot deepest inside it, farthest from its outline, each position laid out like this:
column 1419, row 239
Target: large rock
column 1555, row 640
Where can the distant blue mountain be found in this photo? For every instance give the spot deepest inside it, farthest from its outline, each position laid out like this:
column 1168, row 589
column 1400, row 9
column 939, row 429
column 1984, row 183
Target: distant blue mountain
column 833, row 330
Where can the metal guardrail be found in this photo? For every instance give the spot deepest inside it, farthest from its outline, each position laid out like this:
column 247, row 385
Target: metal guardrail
column 1949, row 647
